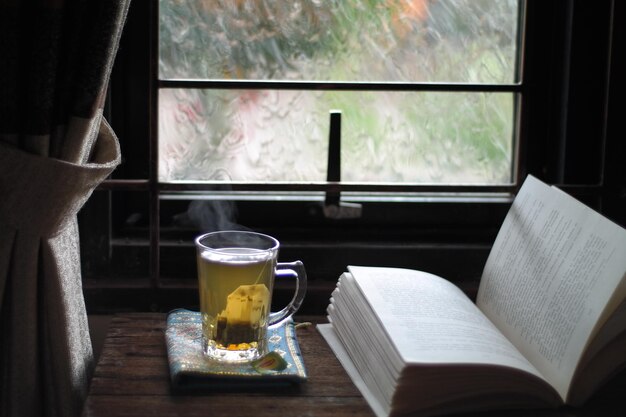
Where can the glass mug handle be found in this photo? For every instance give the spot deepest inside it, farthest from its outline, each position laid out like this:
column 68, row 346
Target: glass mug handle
column 290, row 270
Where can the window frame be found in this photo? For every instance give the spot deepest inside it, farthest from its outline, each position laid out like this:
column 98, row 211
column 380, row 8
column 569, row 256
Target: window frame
column 429, row 224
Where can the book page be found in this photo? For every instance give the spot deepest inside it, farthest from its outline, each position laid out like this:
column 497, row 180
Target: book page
column 429, row 320
column 326, row 330
column 359, row 331
column 553, row 268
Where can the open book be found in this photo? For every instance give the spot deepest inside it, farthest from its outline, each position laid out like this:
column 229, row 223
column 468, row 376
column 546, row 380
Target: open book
column 548, row 327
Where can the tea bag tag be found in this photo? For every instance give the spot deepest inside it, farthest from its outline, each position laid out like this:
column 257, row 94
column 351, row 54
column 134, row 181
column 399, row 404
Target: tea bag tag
column 272, row 362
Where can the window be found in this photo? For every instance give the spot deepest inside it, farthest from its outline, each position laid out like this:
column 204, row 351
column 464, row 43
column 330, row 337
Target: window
column 501, row 102
column 427, row 90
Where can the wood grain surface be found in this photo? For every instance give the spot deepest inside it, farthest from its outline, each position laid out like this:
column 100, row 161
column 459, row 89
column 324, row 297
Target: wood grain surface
column 132, row 379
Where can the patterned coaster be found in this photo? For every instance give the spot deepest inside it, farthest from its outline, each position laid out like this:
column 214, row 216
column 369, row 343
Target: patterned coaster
column 191, row 369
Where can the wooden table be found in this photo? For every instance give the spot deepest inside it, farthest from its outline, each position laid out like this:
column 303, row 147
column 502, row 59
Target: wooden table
column 132, row 379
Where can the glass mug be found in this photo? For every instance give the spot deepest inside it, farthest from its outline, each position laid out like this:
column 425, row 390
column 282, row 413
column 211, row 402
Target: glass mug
column 236, row 271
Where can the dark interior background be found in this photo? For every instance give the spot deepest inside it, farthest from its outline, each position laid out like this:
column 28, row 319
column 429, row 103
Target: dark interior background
column 570, row 135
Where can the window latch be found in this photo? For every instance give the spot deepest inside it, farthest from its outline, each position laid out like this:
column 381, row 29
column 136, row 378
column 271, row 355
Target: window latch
column 334, row 208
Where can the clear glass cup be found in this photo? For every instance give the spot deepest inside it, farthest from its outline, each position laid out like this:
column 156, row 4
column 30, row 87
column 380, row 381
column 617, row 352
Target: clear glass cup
column 236, row 271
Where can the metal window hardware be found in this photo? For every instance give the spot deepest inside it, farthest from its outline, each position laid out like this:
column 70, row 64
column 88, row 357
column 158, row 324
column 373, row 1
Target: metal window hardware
column 334, row 208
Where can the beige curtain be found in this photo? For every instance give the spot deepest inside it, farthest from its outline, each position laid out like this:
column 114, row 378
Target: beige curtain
column 55, row 148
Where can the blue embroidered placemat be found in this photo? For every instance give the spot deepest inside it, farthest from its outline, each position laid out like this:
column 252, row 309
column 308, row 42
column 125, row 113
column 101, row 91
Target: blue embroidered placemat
column 191, row 369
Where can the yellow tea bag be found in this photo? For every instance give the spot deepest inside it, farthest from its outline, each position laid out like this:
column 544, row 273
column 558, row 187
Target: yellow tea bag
column 245, row 309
